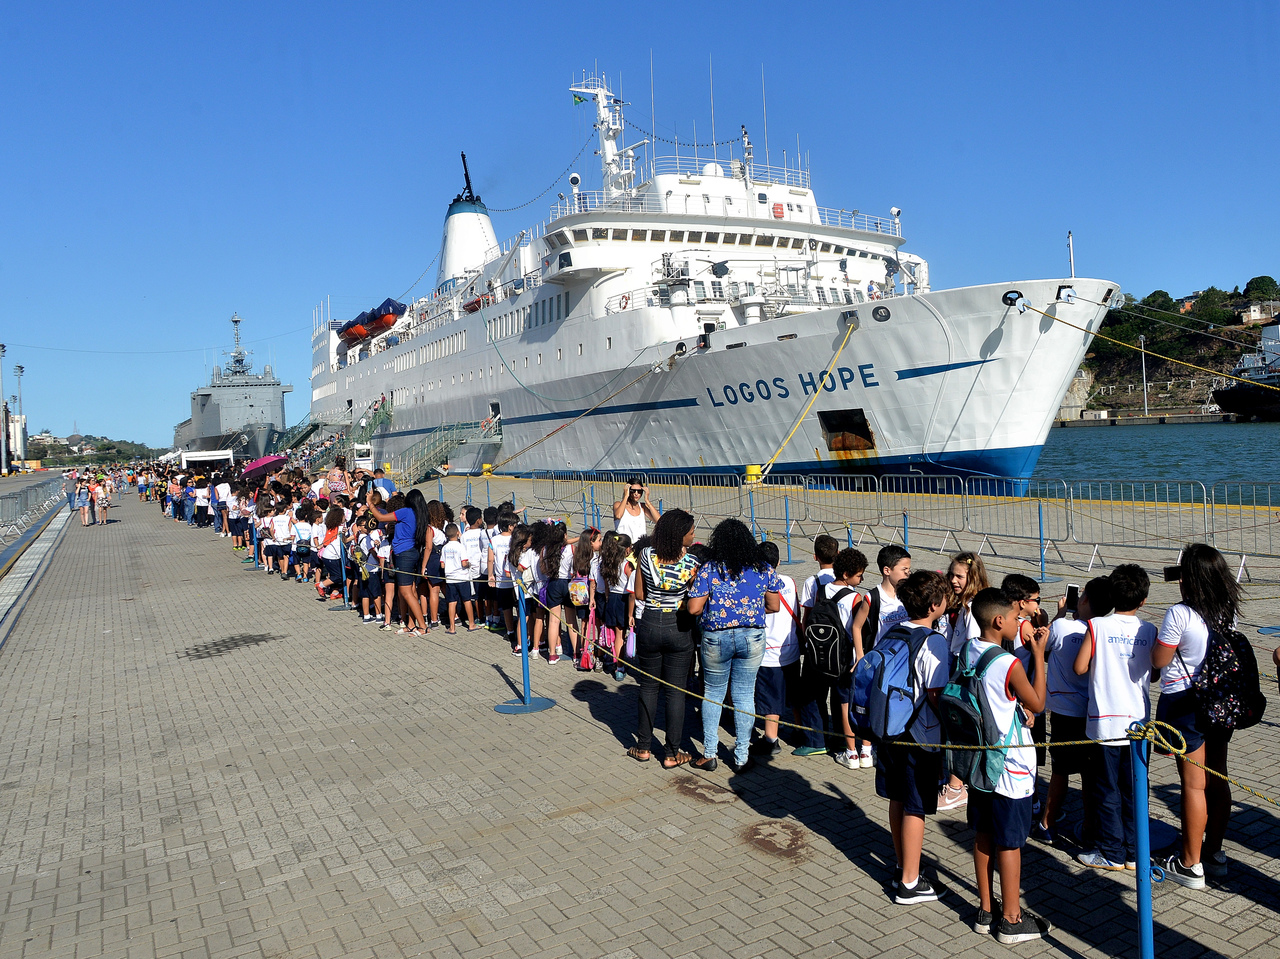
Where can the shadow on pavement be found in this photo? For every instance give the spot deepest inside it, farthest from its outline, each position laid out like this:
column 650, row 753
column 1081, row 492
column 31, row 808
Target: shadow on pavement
column 228, row 644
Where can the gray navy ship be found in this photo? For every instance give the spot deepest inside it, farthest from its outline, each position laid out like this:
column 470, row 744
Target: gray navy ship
column 239, row 410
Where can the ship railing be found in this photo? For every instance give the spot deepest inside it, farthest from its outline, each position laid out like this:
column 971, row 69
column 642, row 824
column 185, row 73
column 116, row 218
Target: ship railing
column 587, row 200
column 692, row 168
column 853, row 220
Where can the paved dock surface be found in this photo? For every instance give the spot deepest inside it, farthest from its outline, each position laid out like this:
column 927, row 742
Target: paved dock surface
column 200, row 760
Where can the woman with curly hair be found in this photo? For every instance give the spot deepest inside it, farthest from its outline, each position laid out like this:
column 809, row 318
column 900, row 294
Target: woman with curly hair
column 664, row 634
column 731, row 594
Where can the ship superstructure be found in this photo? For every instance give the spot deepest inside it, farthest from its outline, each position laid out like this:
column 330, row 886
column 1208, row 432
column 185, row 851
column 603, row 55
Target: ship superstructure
column 731, row 282
column 239, row 409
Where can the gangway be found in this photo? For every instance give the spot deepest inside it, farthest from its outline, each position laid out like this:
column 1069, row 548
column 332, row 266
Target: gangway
column 427, row 456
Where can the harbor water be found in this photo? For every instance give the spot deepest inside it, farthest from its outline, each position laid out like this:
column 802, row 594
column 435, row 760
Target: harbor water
column 1209, row 452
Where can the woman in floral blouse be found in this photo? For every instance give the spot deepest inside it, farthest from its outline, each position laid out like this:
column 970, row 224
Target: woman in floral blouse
column 732, row 593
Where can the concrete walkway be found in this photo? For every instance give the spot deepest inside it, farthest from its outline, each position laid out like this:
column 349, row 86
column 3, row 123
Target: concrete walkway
column 204, row 761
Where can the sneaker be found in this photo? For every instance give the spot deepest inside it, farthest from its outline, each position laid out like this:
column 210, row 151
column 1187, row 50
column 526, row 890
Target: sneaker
column 847, row 759
column 552, row 660
column 387, row 627
column 1029, row 927
column 369, row 619
column 1215, row 865
column 1042, row 834
column 1098, row 861
column 320, row 590
column 619, row 674
column 920, row 892
column 984, row 920
column 809, row 751
column 1190, row 876
column 766, row 747
column 950, row 798
column 1131, row 865
column 866, row 760
column 515, row 651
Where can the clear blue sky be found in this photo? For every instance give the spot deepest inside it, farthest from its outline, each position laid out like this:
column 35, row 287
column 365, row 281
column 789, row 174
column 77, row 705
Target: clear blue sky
column 164, row 166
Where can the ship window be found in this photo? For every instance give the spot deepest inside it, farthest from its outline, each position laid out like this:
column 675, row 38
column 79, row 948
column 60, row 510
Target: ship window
column 799, row 207
column 862, row 253
column 452, row 381
column 637, row 234
column 599, row 233
column 559, row 315
column 717, row 290
column 657, row 234
column 700, row 291
column 713, row 237
column 733, row 291
column 553, row 240
column 619, row 234
column 764, row 241
column 762, row 198
column 579, row 349
column 566, row 303
column 526, row 362
column 848, row 297
column 470, row 375
column 789, row 206
column 564, row 240
column 579, row 235
column 751, row 289
column 822, row 295
column 837, row 250
column 846, row 430
column 677, row 236
column 608, row 342
column 695, row 236
column 835, row 296
column 744, row 239
column 731, row 238
column 566, row 260
column 559, row 354
column 796, row 243
column 706, row 198
column 825, row 248
column 539, row 359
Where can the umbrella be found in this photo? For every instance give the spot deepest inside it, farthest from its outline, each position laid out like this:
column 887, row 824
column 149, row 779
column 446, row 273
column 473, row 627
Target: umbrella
column 261, row 467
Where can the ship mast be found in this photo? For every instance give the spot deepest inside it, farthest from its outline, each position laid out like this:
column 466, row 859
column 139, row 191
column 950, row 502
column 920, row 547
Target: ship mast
column 239, row 356
column 617, row 161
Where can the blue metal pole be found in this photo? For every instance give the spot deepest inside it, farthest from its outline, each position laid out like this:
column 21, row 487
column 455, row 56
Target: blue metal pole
column 751, row 502
column 521, row 631
column 594, row 511
column 440, row 490
column 488, row 499
column 659, row 507
column 255, row 544
column 906, row 531
column 786, row 510
column 468, row 490
column 585, row 522
column 848, row 535
column 342, row 558
column 1138, row 752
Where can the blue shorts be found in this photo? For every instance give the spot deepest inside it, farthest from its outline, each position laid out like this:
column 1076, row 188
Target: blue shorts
column 1007, row 821
column 557, row 593
column 1179, row 711
column 458, row 592
column 406, row 563
column 505, row 596
column 371, row 588
column 776, row 688
column 615, row 611
column 333, row 571
column 910, row 775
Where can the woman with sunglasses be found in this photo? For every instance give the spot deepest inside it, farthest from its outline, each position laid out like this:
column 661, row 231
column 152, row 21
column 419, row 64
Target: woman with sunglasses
column 633, row 513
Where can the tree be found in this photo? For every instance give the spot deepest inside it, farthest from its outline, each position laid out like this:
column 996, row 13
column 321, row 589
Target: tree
column 1160, row 300
column 1262, row 288
column 1211, row 306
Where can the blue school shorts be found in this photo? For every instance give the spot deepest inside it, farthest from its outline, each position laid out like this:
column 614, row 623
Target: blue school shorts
column 458, row 592
column 910, row 775
column 1007, row 820
column 776, row 688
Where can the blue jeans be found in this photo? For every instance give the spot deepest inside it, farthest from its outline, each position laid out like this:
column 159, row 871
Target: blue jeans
column 730, row 658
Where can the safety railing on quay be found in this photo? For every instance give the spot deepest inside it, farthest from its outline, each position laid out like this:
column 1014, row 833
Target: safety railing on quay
column 1241, row 518
column 21, row 508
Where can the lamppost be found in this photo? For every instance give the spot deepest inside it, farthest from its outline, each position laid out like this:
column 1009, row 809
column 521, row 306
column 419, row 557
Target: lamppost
column 22, row 431
column 1142, row 345
column 4, row 431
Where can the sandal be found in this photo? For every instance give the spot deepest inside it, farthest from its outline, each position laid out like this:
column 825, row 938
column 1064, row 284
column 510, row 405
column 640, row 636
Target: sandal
column 639, row 755
column 678, row 758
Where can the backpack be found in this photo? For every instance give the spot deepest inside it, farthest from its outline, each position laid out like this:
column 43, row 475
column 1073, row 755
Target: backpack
column 580, row 591
column 828, row 648
column 967, row 720
column 1226, row 691
column 872, row 624
column 885, row 683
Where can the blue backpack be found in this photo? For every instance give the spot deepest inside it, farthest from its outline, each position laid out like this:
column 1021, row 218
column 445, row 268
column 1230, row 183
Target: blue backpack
column 885, row 683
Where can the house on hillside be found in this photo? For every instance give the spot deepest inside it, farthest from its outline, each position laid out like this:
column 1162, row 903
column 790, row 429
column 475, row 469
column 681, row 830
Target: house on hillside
column 1187, row 303
column 1264, row 311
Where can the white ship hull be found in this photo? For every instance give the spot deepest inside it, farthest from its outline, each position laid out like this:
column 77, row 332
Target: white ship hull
column 954, row 381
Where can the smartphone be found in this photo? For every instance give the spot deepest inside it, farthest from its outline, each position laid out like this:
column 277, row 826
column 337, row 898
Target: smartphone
column 1172, row 574
column 1073, row 596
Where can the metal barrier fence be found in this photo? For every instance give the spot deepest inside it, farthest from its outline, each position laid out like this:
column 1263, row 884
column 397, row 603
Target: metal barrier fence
column 21, row 508
column 1240, row 518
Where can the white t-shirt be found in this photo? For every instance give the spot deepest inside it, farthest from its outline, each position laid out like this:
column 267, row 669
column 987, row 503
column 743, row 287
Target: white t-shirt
column 280, row 527
column 451, row 558
column 370, row 543
column 1184, row 629
column 529, row 560
column 334, row 549
column 596, row 585
column 501, row 546
column 1067, row 693
column 932, row 667
column 962, row 630
column 303, row 532
column 224, row 492
column 633, row 526
column 1119, row 676
column 473, row 544
column 892, row 612
column 781, row 642
column 1018, row 779
column 625, row 582
column 808, row 592
column 233, row 507
column 202, row 496
column 848, row 605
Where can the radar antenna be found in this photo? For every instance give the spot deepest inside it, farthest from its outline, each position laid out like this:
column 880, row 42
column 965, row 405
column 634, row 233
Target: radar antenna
column 468, row 194
column 239, row 356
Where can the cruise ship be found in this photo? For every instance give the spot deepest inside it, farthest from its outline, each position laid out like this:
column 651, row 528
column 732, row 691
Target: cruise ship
column 705, row 315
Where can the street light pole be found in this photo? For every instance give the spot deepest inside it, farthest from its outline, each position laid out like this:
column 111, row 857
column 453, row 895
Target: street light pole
column 22, row 431
column 1142, row 345
column 4, row 432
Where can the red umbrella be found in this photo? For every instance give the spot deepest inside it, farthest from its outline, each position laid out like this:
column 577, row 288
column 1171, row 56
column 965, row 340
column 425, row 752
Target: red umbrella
column 261, row 467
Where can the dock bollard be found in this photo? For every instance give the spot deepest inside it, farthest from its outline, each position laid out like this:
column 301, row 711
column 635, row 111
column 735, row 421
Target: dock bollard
column 1139, row 753
column 528, row 703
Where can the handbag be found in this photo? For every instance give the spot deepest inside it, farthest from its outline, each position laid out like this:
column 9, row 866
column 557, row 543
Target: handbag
column 588, row 643
column 631, row 644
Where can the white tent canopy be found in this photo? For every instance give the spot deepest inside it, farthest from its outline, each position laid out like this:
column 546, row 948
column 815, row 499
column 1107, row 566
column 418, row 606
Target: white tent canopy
column 206, row 456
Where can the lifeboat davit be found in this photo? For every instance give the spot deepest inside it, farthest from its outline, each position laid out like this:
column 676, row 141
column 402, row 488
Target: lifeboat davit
column 355, row 330
column 384, row 315
column 479, row 303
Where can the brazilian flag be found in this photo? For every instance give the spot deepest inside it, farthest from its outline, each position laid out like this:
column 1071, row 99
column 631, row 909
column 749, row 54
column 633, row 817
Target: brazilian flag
column 577, row 99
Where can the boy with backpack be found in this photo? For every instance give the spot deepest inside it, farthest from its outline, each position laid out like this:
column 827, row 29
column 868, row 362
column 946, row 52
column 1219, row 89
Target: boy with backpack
column 882, row 610
column 828, row 652
column 778, row 681
column 911, row 656
column 985, row 704
column 1116, row 656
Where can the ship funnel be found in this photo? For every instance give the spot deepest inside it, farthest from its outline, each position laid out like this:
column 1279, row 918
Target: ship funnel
column 468, row 234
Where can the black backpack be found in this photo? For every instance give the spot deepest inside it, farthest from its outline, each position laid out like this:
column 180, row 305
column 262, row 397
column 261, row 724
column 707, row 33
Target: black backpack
column 828, row 647
column 1227, row 692
column 872, row 624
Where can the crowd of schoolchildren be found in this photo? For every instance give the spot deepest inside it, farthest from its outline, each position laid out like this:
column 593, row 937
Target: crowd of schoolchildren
column 719, row 620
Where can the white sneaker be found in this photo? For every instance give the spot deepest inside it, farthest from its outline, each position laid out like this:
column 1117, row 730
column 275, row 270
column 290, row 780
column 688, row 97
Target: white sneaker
column 847, row 759
column 865, row 759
